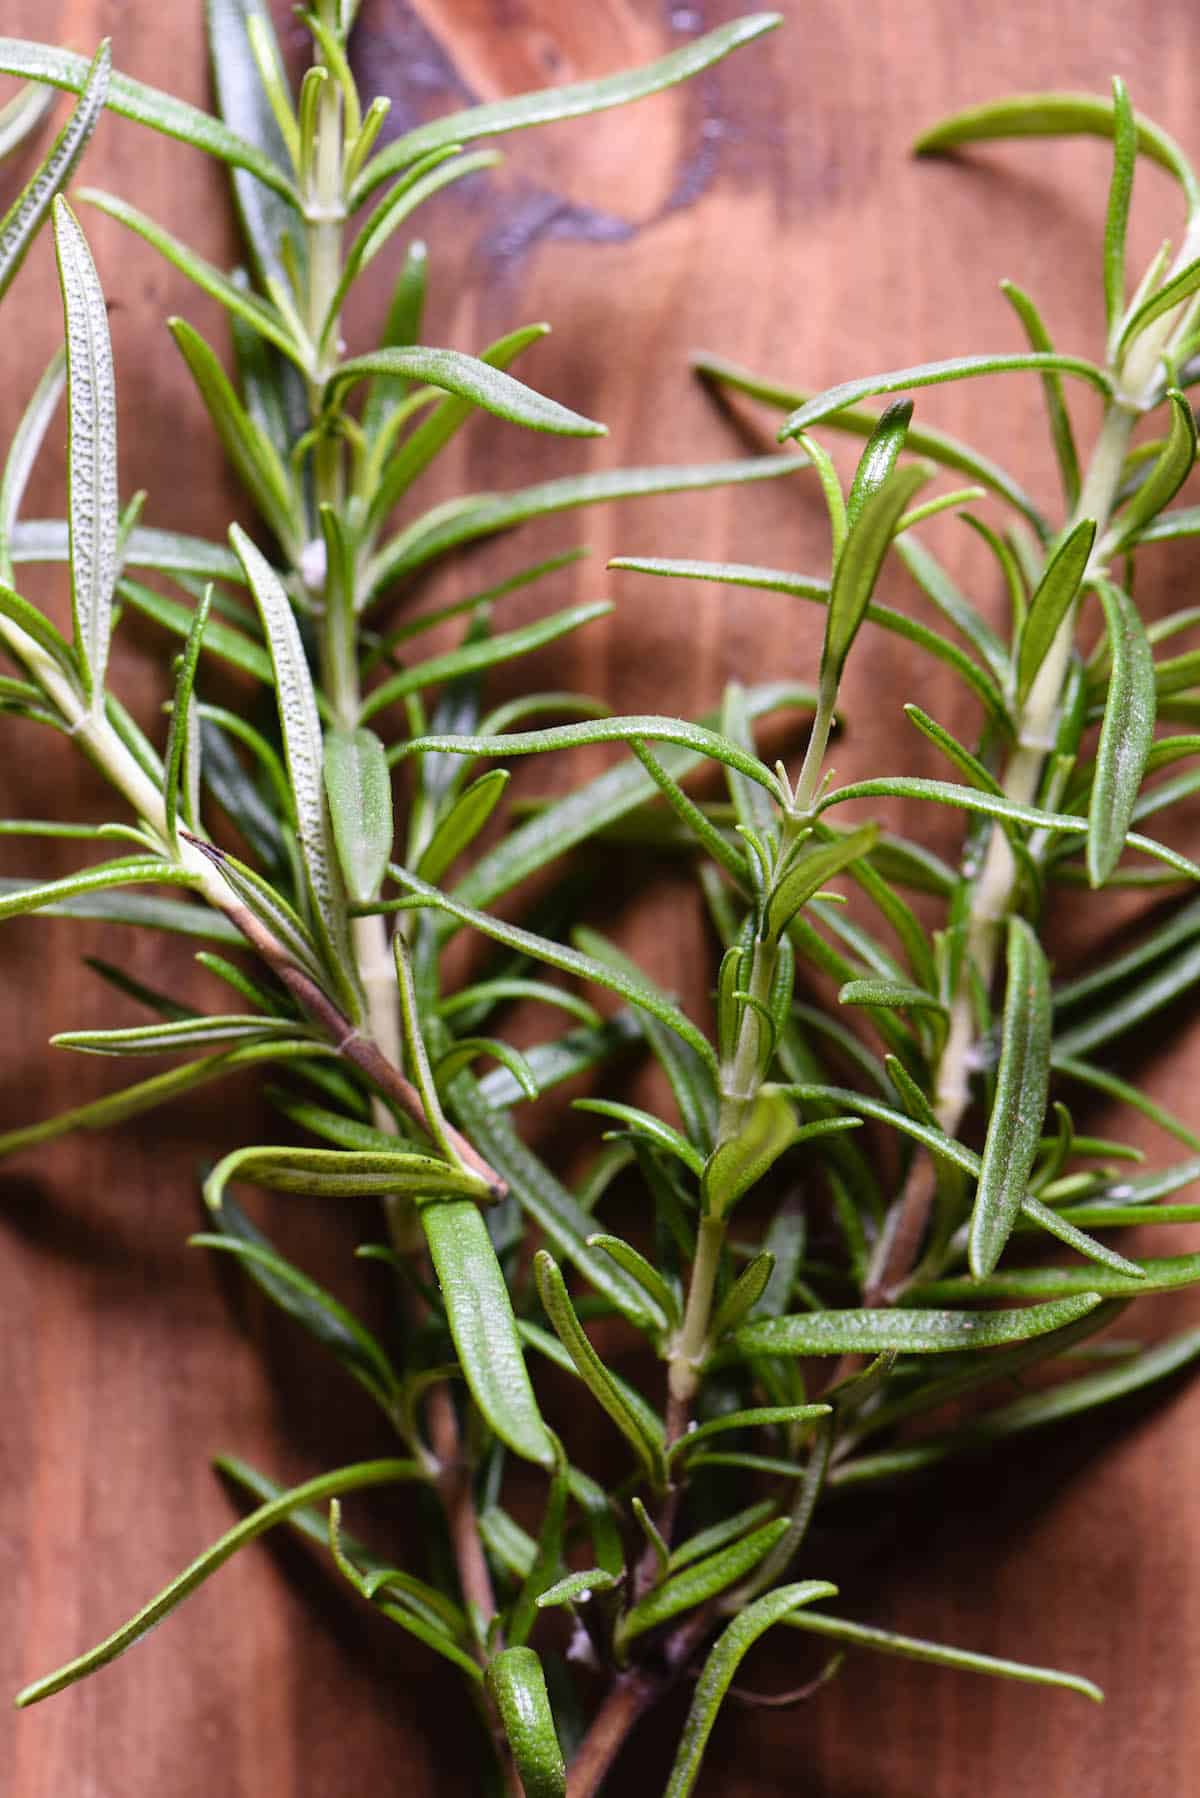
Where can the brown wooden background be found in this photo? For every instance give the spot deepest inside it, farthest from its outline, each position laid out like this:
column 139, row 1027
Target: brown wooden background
column 769, row 212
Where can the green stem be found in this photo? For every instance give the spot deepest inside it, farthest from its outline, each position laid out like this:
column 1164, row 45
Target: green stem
column 369, row 935
column 739, row 1087
column 814, row 756
column 690, row 1345
column 994, row 888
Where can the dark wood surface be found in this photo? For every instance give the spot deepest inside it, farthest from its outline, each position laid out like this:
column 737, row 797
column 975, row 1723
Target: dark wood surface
column 769, row 212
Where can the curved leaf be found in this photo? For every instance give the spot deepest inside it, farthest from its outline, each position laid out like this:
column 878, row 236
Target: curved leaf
column 316, row 1491
column 1165, row 479
column 886, row 1641
column 555, row 955
column 871, row 531
column 486, row 514
column 258, row 314
column 341, row 1174
column 933, row 374
column 146, row 105
column 518, row 1689
column 1056, row 115
column 471, row 379
column 722, row 1663
column 267, row 213
column 28, row 212
column 578, row 100
column 1052, row 601
column 592, row 1371
column 698, row 1582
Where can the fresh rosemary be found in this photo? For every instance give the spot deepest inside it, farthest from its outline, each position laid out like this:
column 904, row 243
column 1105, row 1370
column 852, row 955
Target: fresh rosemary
column 915, row 1115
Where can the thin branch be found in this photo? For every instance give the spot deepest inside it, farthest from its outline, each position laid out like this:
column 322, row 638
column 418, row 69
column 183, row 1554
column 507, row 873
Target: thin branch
column 362, row 1051
column 631, row 1696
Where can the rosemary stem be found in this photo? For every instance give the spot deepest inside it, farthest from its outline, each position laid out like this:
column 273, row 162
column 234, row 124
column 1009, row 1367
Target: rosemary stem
column 687, row 1354
column 994, row 887
column 369, row 935
column 629, row 1697
column 814, row 755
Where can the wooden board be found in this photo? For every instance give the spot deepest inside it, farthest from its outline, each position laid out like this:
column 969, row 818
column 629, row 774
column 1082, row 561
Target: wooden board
column 771, row 213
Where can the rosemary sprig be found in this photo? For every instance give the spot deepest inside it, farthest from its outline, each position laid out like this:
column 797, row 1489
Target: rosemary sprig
column 348, row 884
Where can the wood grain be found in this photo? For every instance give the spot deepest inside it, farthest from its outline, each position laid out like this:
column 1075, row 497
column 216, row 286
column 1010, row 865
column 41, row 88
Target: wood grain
column 769, row 212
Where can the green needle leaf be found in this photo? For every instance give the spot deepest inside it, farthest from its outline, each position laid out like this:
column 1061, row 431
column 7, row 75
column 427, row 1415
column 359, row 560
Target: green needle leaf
column 1165, row 1273
column 481, row 1320
column 301, row 727
column 180, row 1033
column 932, row 374
column 91, row 452
column 555, row 955
column 695, row 1584
column 1125, row 735
column 471, row 379
column 475, row 654
column 146, row 1095
column 458, row 830
column 1172, row 293
column 336, row 1328
column 576, row 1588
column 650, row 1128
column 911, row 1648
column 177, row 735
column 518, row 1689
column 258, row 314
column 29, row 211
column 23, row 452
column 1052, row 601
column 486, row 514
column 316, row 1491
column 1052, row 392
column 131, row 870
column 266, row 212
column 605, row 730
column 748, row 1420
column 246, row 444
column 742, row 1160
column 21, row 116
column 341, row 1174
column 722, row 1663
column 1022, row 1090
column 777, row 580
column 358, row 788
column 879, row 458
column 1165, row 478
column 924, row 1331
column 936, row 446
column 872, row 527
column 558, row 1215
column 1056, row 115
column 146, row 105
column 811, row 871
column 549, row 104
column 1125, row 146
column 556, row 1300
column 656, row 1289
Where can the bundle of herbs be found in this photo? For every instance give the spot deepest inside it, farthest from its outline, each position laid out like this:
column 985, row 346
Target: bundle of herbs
column 323, row 829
